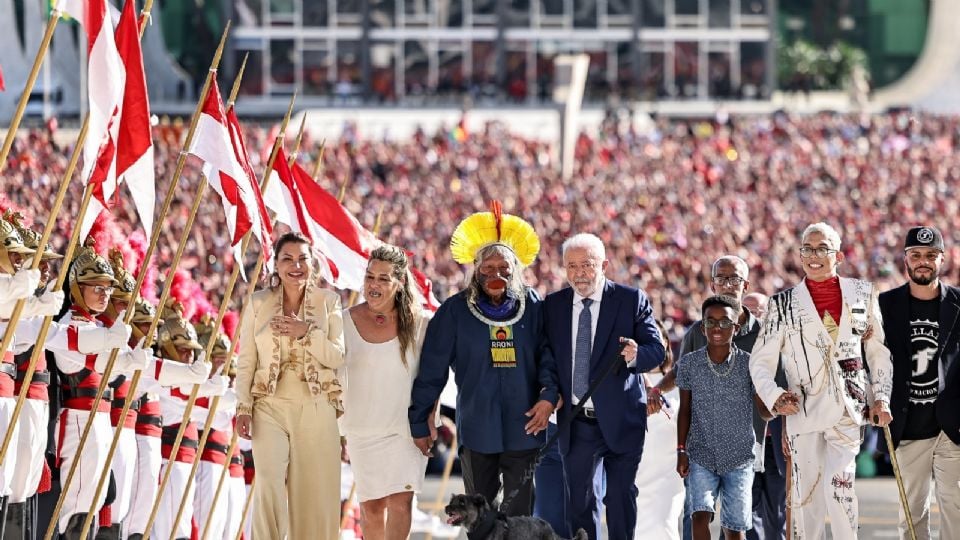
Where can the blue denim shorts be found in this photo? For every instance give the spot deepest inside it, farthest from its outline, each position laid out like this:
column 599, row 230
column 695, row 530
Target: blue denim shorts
column 735, row 495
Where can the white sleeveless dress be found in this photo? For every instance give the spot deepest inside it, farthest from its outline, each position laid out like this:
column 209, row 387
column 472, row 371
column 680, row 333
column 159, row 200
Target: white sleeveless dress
column 376, row 395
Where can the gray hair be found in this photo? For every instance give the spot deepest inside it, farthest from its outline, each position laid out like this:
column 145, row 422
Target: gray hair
column 514, row 282
column 587, row 241
column 738, row 263
column 828, row 232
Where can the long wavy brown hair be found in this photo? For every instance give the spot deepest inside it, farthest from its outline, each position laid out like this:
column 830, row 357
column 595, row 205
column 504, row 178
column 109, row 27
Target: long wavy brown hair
column 405, row 300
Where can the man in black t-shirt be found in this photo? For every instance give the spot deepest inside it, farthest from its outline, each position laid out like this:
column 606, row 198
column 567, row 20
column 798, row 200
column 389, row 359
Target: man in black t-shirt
column 922, row 328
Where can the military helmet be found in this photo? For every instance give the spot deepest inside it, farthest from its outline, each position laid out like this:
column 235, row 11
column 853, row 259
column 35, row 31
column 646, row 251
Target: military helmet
column 123, row 292
column 221, row 344
column 10, row 242
column 176, row 332
column 31, row 238
column 87, row 266
column 143, row 313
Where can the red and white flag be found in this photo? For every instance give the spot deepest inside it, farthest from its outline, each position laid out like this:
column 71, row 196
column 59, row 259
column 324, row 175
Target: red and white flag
column 135, row 143
column 218, row 141
column 307, row 208
column 119, row 143
column 425, row 286
column 105, row 76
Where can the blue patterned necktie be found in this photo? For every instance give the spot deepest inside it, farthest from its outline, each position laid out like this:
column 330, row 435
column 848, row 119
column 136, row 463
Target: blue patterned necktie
column 581, row 355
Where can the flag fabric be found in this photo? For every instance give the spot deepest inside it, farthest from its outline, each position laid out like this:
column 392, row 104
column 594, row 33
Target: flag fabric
column 135, row 142
column 106, row 78
column 425, row 286
column 219, row 143
column 307, row 208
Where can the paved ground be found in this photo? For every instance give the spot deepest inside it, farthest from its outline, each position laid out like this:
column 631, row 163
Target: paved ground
column 879, row 505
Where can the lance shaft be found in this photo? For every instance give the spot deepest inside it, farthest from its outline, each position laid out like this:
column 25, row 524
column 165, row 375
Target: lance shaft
column 155, row 235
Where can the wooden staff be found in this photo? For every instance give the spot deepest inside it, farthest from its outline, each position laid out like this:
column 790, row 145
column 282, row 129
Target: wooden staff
column 148, row 341
column 58, row 285
column 899, row 479
column 215, row 402
column 27, row 89
column 193, row 394
column 168, row 201
column 318, row 166
column 246, row 509
column 223, row 477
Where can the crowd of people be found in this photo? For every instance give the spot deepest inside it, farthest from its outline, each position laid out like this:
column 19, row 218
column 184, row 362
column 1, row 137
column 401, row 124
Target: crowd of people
column 660, row 207
column 657, row 199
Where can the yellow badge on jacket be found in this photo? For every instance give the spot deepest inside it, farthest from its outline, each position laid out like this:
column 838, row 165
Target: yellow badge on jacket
column 501, row 346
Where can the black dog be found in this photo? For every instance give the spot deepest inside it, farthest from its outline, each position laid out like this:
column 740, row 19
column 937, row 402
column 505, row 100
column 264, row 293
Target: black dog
column 473, row 513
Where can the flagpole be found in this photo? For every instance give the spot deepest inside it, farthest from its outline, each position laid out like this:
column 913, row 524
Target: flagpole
column 224, row 304
column 191, row 400
column 246, row 509
column 28, row 88
column 318, row 167
column 154, row 238
column 234, row 439
column 135, row 381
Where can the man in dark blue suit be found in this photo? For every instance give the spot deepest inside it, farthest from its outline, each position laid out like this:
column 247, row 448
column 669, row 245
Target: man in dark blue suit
column 586, row 325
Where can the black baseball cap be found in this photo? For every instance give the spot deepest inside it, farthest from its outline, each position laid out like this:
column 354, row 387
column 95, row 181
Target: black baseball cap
column 923, row 236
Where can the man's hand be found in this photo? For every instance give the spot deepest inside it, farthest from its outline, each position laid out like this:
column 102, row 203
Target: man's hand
column 245, row 426
column 880, row 414
column 788, row 403
column 683, row 464
column 629, row 349
column 425, row 445
column 539, row 416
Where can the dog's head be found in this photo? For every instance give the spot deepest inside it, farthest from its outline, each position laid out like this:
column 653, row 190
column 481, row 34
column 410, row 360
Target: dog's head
column 466, row 510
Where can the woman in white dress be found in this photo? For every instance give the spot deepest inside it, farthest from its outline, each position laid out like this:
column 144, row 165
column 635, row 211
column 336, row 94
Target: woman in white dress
column 660, row 497
column 383, row 337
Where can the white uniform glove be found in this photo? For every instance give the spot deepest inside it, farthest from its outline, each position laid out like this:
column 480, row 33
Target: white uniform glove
column 24, row 283
column 180, row 374
column 47, row 305
column 214, row 386
column 134, row 359
column 102, row 339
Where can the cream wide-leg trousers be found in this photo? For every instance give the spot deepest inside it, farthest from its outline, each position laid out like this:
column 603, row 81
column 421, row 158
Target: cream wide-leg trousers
column 296, row 446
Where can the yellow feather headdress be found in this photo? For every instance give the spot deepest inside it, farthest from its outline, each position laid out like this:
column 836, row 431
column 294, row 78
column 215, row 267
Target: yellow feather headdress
column 487, row 228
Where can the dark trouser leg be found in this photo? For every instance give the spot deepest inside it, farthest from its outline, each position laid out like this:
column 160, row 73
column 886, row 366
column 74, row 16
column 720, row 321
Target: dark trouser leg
column 75, row 527
column 517, row 471
column 481, row 473
column 550, row 489
column 15, row 526
column 580, row 464
column 769, row 500
column 621, row 496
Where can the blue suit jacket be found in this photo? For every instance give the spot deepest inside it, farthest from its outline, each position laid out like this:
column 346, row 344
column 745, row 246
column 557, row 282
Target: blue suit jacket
column 620, row 401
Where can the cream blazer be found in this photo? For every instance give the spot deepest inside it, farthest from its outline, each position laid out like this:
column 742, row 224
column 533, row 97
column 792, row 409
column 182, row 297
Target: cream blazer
column 831, row 377
column 258, row 367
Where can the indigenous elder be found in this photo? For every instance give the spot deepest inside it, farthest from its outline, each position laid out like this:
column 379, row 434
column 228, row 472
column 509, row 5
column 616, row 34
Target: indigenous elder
column 817, row 329
column 383, row 337
column 491, row 335
column 289, row 397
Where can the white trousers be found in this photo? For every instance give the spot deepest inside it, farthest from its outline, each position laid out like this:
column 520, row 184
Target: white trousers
column 236, row 493
column 208, row 476
column 659, row 488
column 146, row 483
column 79, row 496
column 248, row 524
column 124, row 470
column 824, row 467
column 31, row 447
column 9, row 465
column 173, row 493
column 936, row 459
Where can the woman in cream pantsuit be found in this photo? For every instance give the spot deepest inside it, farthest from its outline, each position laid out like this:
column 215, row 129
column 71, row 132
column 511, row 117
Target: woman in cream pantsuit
column 289, row 398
